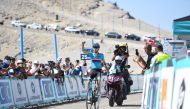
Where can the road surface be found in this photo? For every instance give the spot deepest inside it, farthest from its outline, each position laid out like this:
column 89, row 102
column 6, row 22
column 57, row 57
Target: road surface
column 133, row 102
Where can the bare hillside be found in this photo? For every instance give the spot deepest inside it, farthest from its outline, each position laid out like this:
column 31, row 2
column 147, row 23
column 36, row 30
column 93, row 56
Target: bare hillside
column 87, row 14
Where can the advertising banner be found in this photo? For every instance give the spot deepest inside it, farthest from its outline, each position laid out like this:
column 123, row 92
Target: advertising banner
column 47, row 89
column 72, row 87
column 60, row 90
column 181, row 95
column 146, row 89
column 33, row 91
column 19, row 92
column 82, row 87
column 6, row 97
column 167, row 80
column 154, row 88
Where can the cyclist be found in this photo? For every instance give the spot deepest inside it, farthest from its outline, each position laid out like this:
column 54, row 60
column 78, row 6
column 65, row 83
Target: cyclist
column 97, row 59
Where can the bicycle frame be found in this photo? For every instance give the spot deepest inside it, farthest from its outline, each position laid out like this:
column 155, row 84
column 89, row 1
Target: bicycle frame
column 93, row 93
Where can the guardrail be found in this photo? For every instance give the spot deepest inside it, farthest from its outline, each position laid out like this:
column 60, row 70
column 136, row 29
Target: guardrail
column 166, row 86
column 46, row 91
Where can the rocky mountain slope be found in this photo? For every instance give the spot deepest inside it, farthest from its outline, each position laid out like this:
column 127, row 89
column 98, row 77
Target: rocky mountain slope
column 87, row 14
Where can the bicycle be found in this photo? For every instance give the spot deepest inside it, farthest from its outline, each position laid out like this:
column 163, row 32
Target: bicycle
column 92, row 95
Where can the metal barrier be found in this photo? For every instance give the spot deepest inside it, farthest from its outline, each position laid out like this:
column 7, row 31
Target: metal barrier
column 47, row 91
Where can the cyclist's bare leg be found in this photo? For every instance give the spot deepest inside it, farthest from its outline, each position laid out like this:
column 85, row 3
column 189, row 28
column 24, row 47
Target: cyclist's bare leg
column 88, row 85
column 99, row 86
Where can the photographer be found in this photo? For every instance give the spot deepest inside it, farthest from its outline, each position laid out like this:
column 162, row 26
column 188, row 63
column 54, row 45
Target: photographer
column 141, row 62
column 122, row 51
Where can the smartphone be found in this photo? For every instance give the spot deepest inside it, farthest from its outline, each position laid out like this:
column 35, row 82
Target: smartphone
column 136, row 52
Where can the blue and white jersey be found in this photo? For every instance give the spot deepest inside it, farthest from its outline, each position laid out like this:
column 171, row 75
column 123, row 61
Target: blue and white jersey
column 96, row 60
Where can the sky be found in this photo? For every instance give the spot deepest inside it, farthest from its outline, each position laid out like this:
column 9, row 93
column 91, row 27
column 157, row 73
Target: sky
column 156, row 12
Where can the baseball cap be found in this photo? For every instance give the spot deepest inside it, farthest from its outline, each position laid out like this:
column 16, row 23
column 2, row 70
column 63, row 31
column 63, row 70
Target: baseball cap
column 36, row 62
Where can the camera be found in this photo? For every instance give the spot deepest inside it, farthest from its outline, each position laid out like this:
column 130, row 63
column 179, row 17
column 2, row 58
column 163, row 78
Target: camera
column 136, row 52
column 9, row 58
column 51, row 63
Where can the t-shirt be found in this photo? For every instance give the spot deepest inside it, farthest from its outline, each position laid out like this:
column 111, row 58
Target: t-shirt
column 115, row 69
column 149, row 60
column 96, row 60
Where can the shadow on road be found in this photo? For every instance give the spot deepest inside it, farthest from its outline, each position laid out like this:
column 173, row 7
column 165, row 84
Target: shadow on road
column 131, row 105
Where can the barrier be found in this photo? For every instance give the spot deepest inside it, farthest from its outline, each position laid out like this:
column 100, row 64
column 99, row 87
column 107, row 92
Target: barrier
column 167, row 78
column 34, row 91
column 154, row 86
column 165, row 85
column 19, row 92
column 6, row 97
column 71, row 87
column 82, row 87
column 47, row 88
column 181, row 96
column 60, row 91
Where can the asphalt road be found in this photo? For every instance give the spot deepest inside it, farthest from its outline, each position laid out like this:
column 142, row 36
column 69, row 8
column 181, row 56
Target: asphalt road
column 133, row 102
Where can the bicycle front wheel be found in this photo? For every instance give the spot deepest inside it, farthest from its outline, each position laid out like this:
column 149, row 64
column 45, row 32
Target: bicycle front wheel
column 97, row 104
column 88, row 101
column 96, row 100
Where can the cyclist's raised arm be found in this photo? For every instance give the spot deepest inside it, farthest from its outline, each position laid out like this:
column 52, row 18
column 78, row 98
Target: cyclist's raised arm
column 83, row 48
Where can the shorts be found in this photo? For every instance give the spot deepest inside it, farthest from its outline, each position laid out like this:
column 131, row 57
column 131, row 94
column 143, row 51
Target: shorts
column 95, row 72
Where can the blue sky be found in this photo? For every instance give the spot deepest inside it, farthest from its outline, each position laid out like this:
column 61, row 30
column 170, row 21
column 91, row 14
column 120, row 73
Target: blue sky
column 156, row 12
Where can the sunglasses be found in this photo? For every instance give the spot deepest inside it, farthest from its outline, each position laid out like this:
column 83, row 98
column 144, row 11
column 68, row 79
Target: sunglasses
column 96, row 48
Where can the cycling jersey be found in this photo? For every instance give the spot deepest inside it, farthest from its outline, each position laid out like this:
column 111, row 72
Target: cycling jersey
column 96, row 60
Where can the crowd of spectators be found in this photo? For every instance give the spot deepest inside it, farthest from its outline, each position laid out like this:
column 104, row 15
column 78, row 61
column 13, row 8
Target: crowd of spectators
column 22, row 68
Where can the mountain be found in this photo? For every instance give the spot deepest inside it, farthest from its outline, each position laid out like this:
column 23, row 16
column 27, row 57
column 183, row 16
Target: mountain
column 87, row 14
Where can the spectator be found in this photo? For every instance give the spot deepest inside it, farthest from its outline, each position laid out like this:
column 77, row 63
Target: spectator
column 28, row 68
column 20, row 70
column 59, row 74
column 46, row 71
column 71, row 70
column 160, row 57
column 78, row 68
column 84, row 68
column 4, row 66
column 67, row 65
column 12, row 69
column 35, row 68
column 141, row 62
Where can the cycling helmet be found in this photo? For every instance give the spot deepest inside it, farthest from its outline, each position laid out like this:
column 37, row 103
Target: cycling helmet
column 118, row 58
column 123, row 45
column 96, row 45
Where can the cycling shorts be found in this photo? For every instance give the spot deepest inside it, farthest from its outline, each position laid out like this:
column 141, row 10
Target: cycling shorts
column 95, row 72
